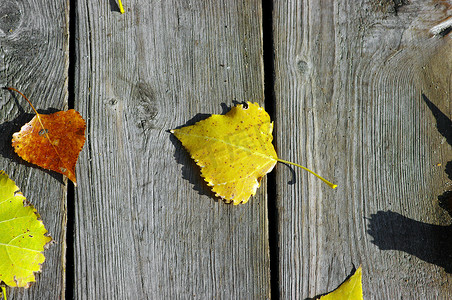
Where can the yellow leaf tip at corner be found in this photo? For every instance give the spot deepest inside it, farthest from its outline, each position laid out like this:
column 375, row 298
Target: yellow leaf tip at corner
column 350, row 289
column 121, row 8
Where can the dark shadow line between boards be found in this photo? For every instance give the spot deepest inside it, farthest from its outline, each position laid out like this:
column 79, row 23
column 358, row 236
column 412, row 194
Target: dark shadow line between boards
column 269, row 81
column 70, row 197
column 269, row 96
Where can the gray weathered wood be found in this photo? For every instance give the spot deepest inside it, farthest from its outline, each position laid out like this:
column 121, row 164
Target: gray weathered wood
column 362, row 96
column 349, row 78
column 33, row 59
column 147, row 226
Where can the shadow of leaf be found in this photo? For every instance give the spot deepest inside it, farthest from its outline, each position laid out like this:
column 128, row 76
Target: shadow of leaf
column 114, row 6
column 443, row 123
column 444, row 126
column 191, row 171
column 7, row 130
column 445, row 202
column 428, row 242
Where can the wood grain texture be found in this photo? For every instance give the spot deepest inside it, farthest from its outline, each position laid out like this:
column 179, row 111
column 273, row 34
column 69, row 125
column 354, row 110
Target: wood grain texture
column 147, row 227
column 349, row 82
column 33, row 59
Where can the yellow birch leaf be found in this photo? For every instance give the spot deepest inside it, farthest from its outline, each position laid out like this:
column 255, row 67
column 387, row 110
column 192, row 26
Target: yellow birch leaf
column 234, row 151
column 351, row 289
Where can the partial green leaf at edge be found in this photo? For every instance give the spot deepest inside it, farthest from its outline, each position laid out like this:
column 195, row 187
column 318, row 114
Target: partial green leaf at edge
column 22, row 236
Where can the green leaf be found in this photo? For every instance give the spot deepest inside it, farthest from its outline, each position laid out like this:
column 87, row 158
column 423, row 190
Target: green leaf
column 22, row 236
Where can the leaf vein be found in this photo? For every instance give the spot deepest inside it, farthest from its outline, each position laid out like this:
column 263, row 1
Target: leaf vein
column 229, row 144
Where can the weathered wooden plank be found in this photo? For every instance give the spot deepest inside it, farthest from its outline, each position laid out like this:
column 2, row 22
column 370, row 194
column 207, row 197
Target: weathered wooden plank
column 147, row 226
column 33, row 59
column 348, row 83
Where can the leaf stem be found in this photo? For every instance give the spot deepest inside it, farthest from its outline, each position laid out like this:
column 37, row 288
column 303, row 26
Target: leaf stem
column 332, row 185
column 29, row 102
column 13, row 89
column 4, row 292
column 121, row 9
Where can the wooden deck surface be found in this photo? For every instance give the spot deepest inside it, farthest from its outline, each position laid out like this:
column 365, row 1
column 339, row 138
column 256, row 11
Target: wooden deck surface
column 359, row 91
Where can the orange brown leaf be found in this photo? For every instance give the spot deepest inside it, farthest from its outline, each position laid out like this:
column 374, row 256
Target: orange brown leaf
column 52, row 141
